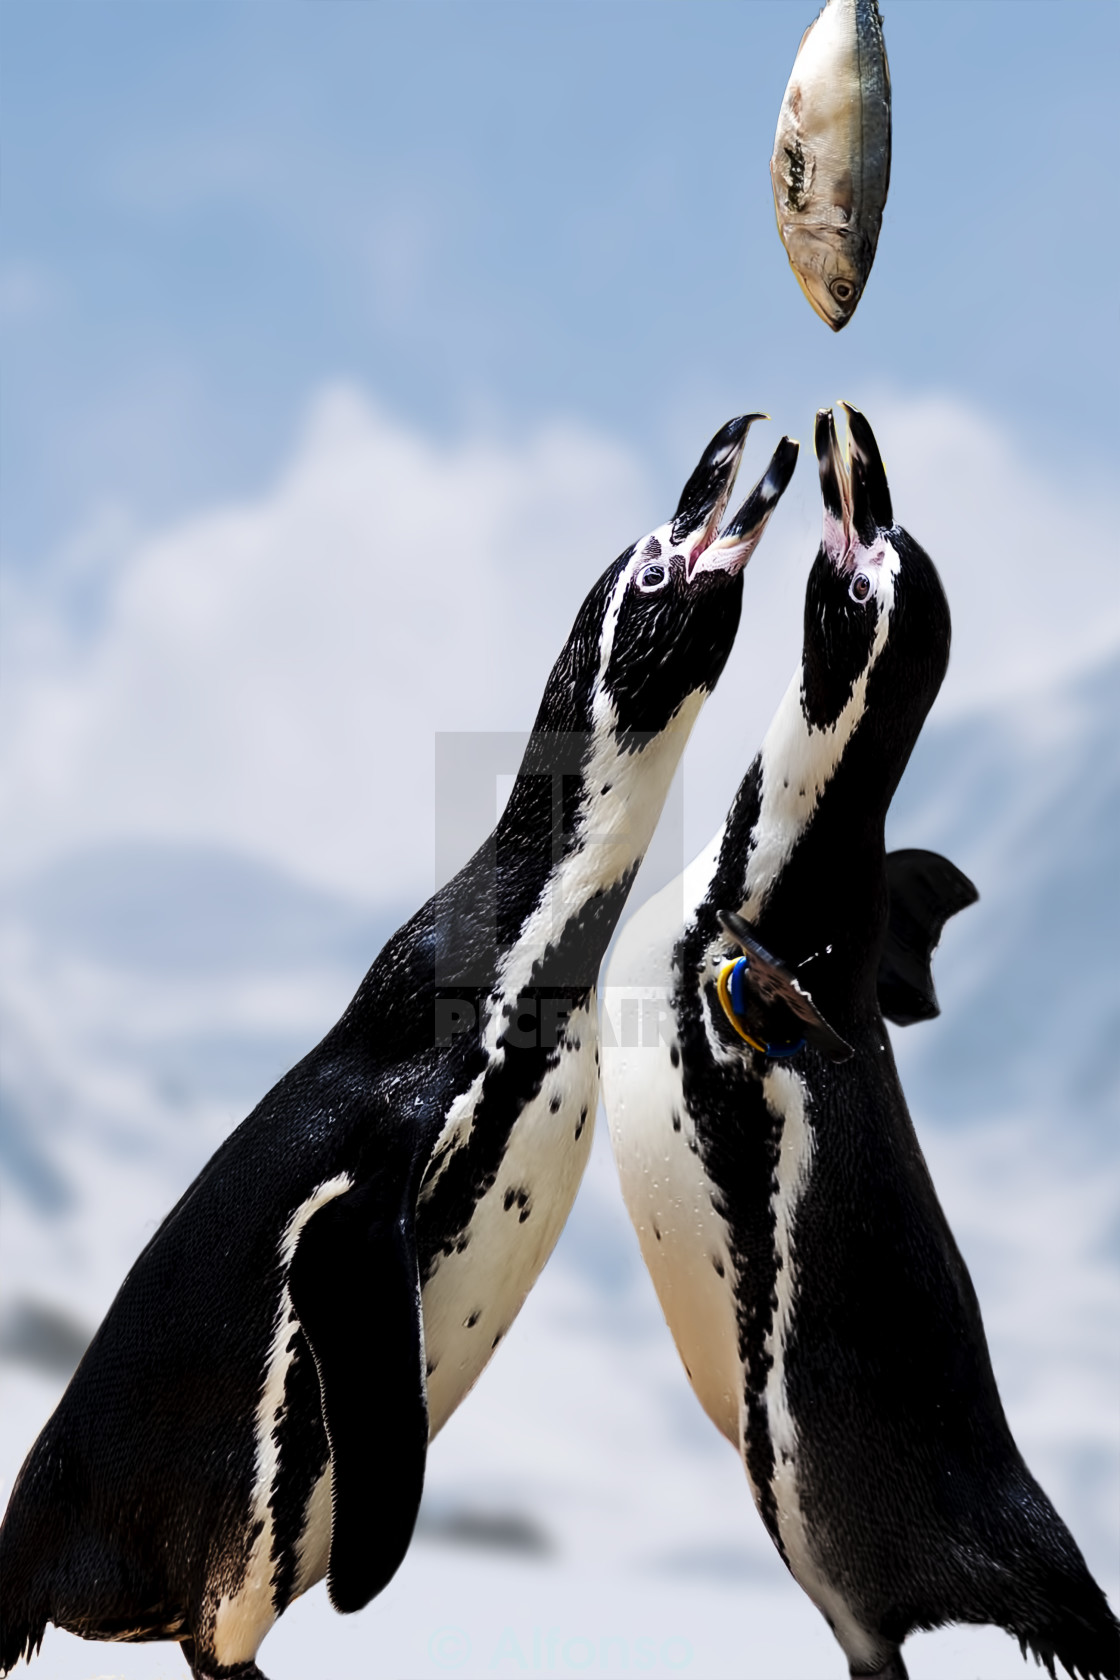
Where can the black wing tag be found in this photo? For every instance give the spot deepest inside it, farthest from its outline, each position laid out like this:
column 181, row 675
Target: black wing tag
column 774, row 986
column 355, row 1286
column 926, row 889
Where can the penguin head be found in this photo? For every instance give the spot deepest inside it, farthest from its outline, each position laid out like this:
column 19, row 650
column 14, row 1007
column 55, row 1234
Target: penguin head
column 660, row 623
column 876, row 642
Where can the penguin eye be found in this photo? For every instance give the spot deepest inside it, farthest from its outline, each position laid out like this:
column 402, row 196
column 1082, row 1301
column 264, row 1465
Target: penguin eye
column 860, row 587
column 842, row 290
column 652, row 578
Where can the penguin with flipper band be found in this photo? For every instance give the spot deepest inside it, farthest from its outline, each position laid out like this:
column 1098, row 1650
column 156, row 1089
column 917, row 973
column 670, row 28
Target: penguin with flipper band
column 821, row 1308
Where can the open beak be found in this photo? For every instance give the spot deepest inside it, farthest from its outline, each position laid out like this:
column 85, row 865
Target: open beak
column 856, row 496
column 708, row 491
column 741, row 535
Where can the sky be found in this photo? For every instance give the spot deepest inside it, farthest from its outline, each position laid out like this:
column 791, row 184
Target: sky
column 490, row 214
column 344, row 344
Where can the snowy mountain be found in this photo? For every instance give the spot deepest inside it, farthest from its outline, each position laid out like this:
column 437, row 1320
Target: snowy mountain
column 581, row 1513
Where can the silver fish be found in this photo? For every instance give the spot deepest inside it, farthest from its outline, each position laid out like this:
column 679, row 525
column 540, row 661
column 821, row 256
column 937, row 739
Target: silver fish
column 832, row 156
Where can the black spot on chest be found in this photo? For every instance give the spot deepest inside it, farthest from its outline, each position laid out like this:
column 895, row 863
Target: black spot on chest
column 559, row 984
column 472, row 1169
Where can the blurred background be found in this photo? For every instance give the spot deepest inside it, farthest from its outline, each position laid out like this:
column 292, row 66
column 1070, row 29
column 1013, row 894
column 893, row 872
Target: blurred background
column 343, row 346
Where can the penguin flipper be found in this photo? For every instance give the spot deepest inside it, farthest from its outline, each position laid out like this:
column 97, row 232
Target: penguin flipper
column 926, row 889
column 773, row 983
column 355, row 1287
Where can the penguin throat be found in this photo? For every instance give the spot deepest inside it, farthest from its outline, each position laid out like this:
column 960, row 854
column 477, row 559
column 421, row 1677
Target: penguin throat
column 579, row 884
column 796, row 764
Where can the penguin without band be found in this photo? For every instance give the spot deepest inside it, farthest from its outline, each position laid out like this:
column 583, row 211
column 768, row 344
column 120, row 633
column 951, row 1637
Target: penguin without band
column 823, row 1312
column 255, row 1410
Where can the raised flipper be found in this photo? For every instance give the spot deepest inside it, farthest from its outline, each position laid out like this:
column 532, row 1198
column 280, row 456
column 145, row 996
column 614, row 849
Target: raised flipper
column 355, row 1286
column 926, row 889
column 775, row 988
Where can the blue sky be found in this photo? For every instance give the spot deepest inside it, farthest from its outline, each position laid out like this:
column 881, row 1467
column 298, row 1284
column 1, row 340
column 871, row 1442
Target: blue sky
column 493, row 213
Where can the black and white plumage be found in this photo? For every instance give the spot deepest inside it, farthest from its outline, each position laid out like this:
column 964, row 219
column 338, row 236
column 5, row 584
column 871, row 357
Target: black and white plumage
column 256, row 1408
column 825, row 1317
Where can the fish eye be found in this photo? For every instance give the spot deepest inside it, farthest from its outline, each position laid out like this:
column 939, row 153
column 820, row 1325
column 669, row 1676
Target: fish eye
column 652, row 578
column 860, row 587
column 842, row 290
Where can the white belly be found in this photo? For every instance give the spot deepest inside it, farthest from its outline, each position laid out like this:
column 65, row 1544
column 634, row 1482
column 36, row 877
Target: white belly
column 668, row 1195
column 475, row 1293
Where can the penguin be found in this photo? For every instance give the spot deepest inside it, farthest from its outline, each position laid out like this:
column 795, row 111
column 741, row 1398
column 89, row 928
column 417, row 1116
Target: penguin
column 254, row 1413
column 824, row 1315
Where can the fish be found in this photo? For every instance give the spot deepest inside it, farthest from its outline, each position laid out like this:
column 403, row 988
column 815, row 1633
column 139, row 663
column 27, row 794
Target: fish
column 831, row 166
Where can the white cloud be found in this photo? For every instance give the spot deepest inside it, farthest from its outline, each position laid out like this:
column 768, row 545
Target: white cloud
column 269, row 675
column 1028, row 559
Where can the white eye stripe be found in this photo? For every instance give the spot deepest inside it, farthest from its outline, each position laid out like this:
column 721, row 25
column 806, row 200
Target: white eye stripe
column 657, row 541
